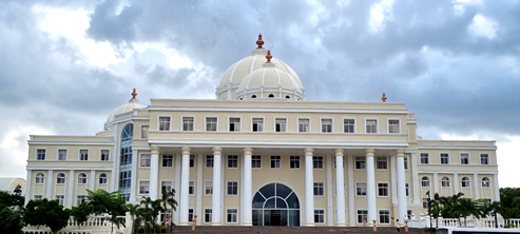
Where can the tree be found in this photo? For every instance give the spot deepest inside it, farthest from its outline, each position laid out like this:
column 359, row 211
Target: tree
column 168, row 198
column 35, row 212
column 17, row 199
column 509, row 203
column 150, row 210
column 80, row 213
column 113, row 204
column 48, row 213
column 133, row 210
column 11, row 221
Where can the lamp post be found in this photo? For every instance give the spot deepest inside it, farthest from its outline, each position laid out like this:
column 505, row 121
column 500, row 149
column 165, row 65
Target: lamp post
column 430, row 211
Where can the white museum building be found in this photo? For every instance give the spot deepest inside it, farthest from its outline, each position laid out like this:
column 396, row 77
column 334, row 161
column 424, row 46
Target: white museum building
column 261, row 154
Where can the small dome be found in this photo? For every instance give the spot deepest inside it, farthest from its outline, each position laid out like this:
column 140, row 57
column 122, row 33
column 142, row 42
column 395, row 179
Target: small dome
column 269, row 82
column 125, row 108
column 234, row 75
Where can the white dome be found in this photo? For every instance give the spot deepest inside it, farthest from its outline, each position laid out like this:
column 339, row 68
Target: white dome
column 269, row 82
column 234, row 75
column 125, row 108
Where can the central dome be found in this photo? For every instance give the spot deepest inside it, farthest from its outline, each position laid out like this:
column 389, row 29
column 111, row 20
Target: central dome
column 236, row 73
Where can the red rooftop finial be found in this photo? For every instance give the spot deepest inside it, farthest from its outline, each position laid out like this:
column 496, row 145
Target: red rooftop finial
column 384, row 97
column 259, row 42
column 268, row 56
column 134, row 94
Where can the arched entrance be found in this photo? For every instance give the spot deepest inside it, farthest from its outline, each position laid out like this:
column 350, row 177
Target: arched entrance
column 276, row 205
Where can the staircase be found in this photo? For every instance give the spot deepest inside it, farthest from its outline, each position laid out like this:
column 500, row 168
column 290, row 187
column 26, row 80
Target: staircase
column 241, row 229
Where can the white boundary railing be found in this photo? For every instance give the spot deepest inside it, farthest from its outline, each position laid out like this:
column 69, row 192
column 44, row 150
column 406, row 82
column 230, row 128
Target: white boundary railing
column 487, row 222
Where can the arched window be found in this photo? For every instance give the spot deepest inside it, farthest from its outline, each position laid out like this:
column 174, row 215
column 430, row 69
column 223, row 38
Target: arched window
column 425, row 181
column 103, row 178
column 82, row 178
column 465, row 182
column 125, row 160
column 287, row 97
column 40, row 178
column 485, row 182
column 254, row 96
column 445, row 182
column 271, row 95
column 60, row 179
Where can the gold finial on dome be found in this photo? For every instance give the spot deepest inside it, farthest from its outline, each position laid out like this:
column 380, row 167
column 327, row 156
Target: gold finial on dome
column 260, row 42
column 134, row 94
column 384, row 97
column 268, row 56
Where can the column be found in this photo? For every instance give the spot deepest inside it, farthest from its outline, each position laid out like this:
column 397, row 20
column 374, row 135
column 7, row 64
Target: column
column 70, row 193
column 477, row 186
column 93, row 180
column 435, row 182
column 351, row 189
column 50, row 180
column 401, row 187
column 133, row 176
column 415, row 182
column 28, row 187
column 185, row 186
column 217, row 171
column 371, row 186
column 495, row 186
column 309, row 188
column 456, row 182
column 154, row 173
column 340, row 189
column 246, row 185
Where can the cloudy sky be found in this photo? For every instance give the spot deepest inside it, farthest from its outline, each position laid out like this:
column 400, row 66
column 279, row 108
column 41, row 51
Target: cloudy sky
column 65, row 65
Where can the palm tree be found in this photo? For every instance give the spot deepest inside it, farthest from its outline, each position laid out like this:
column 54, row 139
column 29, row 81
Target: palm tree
column 113, row 204
column 168, row 198
column 133, row 210
column 151, row 209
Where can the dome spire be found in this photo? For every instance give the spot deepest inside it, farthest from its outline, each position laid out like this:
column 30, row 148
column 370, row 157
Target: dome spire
column 134, row 94
column 268, row 56
column 384, row 97
column 259, row 42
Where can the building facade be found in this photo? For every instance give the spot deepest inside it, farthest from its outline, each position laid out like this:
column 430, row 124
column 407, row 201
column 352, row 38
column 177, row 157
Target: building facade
column 260, row 154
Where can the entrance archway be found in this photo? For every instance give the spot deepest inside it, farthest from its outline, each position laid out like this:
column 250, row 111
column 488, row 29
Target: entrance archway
column 276, row 204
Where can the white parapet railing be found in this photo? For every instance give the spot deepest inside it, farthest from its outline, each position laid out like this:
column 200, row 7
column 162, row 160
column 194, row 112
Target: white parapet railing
column 93, row 225
column 486, row 222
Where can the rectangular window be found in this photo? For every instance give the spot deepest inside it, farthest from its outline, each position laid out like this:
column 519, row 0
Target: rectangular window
column 360, row 163
column 144, row 131
column 348, row 125
column 192, row 161
column 38, row 197
column 405, row 162
column 280, row 124
column 166, row 186
column 190, row 215
column 382, row 163
column 191, row 188
column 445, row 158
column 371, row 125
column 164, row 123
column 326, row 125
column 464, row 159
column 294, row 162
column 484, row 159
column 105, row 155
column 317, row 162
column 187, row 124
column 303, row 125
column 144, row 187
column 40, row 154
column 232, row 188
column 62, row 154
column 232, row 161
column 145, row 160
column 231, row 215
column 276, row 161
column 319, row 216
column 384, row 216
column 209, row 161
column 211, row 124
column 361, row 188
column 407, row 189
column 83, row 154
column 208, row 187
column 256, row 161
column 60, row 199
column 80, row 199
column 425, row 203
column 258, row 125
column 318, row 189
column 361, row 215
column 167, row 161
column 207, row 215
column 382, row 189
column 234, row 124
column 393, row 126
column 425, row 158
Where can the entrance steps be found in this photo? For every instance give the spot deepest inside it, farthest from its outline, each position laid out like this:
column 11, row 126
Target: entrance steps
column 301, row 230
